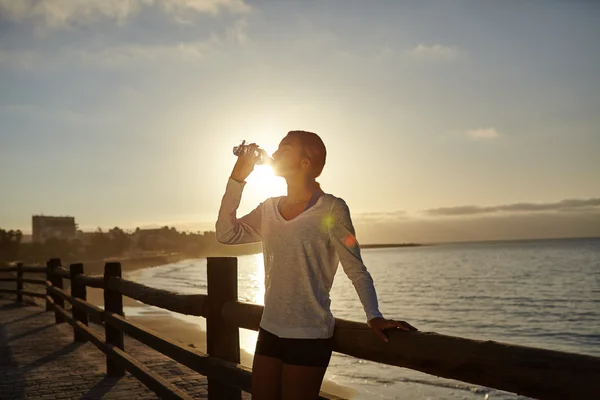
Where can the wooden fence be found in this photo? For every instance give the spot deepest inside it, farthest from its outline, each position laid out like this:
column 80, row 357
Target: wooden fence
column 537, row 373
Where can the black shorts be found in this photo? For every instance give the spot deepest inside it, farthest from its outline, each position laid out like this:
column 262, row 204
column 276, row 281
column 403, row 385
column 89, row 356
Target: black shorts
column 304, row 352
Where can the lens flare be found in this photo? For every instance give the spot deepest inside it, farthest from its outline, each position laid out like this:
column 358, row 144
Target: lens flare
column 350, row 240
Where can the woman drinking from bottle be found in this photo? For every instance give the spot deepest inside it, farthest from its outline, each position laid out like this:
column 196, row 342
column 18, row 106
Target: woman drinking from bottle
column 305, row 235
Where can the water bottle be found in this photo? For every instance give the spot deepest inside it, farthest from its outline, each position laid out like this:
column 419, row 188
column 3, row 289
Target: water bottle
column 263, row 157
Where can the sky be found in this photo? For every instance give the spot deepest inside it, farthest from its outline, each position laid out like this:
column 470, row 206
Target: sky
column 443, row 120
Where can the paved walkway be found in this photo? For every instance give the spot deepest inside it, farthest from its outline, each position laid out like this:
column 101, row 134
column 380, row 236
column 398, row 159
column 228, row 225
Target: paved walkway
column 38, row 360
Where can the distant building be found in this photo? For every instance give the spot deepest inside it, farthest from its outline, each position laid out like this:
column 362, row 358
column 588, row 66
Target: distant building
column 45, row 227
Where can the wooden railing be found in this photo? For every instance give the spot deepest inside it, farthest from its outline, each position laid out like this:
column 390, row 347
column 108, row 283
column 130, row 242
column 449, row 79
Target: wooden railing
column 537, row 373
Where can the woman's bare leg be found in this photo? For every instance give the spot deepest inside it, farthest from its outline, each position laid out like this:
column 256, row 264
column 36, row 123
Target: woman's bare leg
column 301, row 383
column 266, row 378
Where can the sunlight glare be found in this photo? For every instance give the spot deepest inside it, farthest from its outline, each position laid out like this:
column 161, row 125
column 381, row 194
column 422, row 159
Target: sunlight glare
column 265, row 182
column 257, row 296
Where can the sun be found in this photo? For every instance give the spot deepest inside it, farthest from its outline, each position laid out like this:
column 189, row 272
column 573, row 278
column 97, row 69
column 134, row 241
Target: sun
column 265, row 182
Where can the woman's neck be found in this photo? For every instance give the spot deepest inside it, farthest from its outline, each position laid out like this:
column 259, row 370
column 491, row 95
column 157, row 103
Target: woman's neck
column 302, row 190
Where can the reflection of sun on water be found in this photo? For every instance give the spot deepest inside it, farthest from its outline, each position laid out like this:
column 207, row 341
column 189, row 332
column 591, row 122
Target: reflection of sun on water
column 258, row 280
column 257, row 296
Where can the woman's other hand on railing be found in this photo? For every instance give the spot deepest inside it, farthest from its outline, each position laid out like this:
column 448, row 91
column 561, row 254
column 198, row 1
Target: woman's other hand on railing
column 380, row 324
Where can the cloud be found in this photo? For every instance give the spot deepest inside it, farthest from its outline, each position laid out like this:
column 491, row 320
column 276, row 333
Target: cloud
column 65, row 13
column 560, row 206
column 180, row 7
column 487, row 133
column 134, row 55
column 435, row 51
column 19, row 59
column 483, row 227
column 124, row 56
column 380, row 216
column 144, row 43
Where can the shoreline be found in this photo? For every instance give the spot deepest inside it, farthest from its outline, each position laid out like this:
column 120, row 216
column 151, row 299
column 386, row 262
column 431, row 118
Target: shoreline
column 129, row 264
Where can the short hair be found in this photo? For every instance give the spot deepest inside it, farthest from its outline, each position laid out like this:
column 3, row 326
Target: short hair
column 313, row 148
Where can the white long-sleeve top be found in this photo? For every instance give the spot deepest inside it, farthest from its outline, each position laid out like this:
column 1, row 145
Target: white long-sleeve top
column 301, row 257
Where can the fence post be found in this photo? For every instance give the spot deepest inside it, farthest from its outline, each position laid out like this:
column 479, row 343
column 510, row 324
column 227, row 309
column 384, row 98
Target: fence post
column 79, row 291
column 113, row 302
column 50, row 265
column 19, row 282
column 222, row 339
column 57, row 282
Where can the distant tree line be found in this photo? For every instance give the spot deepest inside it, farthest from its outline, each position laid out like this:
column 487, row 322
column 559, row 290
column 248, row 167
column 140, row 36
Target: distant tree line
column 118, row 243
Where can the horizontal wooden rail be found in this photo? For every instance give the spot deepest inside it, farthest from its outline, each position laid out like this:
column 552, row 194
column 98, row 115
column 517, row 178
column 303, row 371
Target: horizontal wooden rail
column 62, row 272
column 187, row 356
column 533, row 372
column 154, row 382
column 64, row 314
column 25, row 268
column 34, row 281
column 34, row 270
column 538, row 373
column 242, row 315
column 60, row 293
column 32, row 294
column 23, row 292
column 234, row 375
column 190, row 304
column 96, row 312
column 14, row 279
column 91, row 281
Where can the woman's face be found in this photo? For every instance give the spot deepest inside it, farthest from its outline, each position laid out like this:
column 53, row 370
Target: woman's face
column 289, row 159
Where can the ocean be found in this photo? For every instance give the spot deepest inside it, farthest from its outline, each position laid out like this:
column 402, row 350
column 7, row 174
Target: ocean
column 540, row 293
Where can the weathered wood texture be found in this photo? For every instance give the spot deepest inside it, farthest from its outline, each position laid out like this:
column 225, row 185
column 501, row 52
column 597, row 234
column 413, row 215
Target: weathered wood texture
column 244, row 315
column 186, row 355
column 533, row 372
column 49, row 300
column 537, row 373
column 38, row 361
column 113, row 302
column 153, row 381
column 57, row 284
column 91, row 281
column 96, row 313
column 62, row 272
column 20, row 282
column 23, row 292
column 34, row 281
column 26, row 269
column 234, row 375
column 60, row 294
column 190, row 304
column 50, row 265
column 222, row 338
column 78, row 291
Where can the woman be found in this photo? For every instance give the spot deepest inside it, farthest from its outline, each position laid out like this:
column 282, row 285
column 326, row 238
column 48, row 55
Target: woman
column 304, row 235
